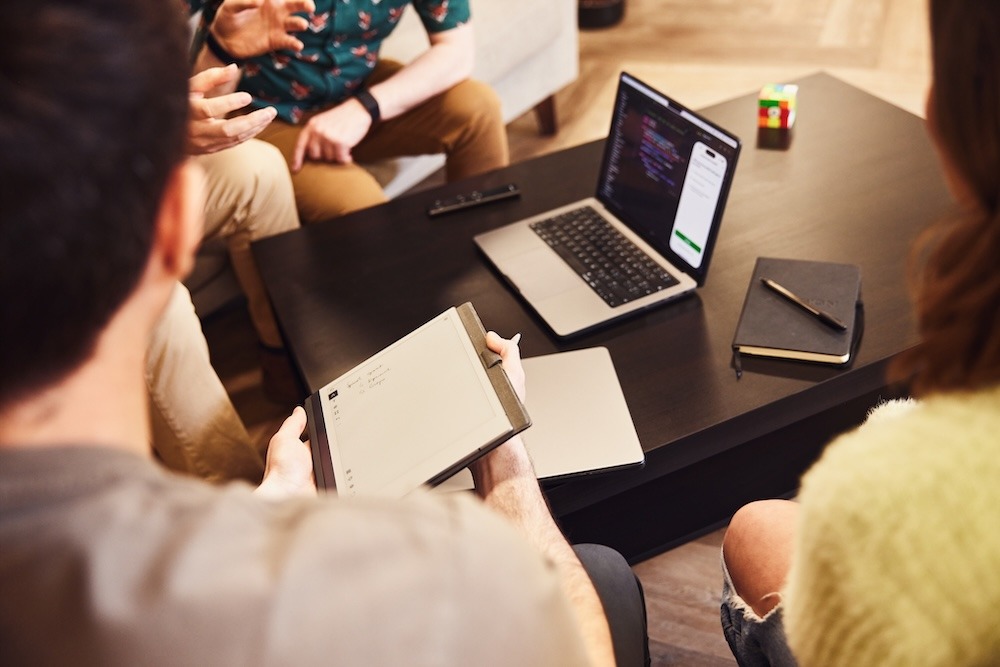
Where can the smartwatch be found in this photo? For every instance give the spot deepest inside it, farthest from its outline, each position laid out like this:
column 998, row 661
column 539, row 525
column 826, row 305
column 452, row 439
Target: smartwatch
column 370, row 105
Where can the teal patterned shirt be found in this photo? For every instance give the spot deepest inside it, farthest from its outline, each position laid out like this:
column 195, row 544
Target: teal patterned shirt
column 341, row 48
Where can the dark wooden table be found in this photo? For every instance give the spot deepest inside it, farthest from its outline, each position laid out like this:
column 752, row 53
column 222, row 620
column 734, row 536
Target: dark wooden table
column 858, row 182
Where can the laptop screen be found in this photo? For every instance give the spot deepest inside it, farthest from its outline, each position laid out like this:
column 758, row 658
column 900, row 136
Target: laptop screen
column 666, row 174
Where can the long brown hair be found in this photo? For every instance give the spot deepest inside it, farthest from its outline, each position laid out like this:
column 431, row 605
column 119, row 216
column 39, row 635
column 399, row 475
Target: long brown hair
column 956, row 263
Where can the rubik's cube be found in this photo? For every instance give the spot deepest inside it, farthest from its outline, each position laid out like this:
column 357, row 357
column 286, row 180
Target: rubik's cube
column 777, row 106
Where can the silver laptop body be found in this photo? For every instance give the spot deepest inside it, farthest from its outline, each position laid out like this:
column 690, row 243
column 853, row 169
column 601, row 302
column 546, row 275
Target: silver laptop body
column 663, row 184
column 581, row 424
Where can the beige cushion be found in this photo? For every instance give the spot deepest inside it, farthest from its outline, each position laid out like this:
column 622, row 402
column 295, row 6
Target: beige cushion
column 508, row 32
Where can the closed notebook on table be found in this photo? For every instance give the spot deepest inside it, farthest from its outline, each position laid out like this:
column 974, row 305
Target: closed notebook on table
column 770, row 325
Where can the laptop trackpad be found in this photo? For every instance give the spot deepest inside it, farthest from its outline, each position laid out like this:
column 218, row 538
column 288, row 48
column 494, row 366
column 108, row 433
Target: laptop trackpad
column 541, row 273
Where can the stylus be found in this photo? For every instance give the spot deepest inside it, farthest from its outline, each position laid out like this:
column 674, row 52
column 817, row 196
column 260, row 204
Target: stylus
column 472, row 199
column 823, row 316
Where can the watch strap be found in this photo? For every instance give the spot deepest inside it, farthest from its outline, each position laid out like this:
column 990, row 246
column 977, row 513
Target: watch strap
column 220, row 52
column 370, row 104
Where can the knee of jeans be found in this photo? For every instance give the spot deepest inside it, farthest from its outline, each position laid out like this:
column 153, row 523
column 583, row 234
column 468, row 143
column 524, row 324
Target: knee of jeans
column 733, row 603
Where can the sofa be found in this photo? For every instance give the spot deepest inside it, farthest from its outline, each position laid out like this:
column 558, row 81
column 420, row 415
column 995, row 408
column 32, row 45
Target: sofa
column 527, row 50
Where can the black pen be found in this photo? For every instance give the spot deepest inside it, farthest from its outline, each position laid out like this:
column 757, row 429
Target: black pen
column 823, row 316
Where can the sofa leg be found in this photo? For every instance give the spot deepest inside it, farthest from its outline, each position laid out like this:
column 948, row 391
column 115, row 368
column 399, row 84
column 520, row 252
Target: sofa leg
column 545, row 113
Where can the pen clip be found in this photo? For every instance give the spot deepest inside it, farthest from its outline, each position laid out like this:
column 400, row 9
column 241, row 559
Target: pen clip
column 832, row 321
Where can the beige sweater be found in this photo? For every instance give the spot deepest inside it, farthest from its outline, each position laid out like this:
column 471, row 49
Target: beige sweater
column 898, row 560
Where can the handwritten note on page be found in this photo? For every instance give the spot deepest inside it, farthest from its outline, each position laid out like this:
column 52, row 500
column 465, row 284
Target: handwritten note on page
column 411, row 411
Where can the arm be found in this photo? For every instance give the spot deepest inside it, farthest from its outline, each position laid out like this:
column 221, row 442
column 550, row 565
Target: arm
column 288, row 470
column 330, row 136
column 447, row 62
column 506, row 482
column 248, row 28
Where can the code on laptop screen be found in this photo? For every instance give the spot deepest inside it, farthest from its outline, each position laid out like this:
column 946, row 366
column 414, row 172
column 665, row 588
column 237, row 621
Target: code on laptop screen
column 666, row 173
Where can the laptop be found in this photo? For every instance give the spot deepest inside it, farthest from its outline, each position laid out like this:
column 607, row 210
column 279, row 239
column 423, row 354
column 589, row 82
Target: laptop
column 645, row 238
column 581, row 424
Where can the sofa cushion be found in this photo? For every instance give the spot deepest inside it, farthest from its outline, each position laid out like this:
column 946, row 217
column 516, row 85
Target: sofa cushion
column 508, row 32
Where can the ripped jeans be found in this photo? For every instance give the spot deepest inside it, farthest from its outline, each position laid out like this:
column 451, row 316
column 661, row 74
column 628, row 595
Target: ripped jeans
column 754, row 641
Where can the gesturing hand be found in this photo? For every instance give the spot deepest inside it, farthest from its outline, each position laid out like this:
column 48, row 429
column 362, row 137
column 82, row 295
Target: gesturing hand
column 247, row 28
column 288, row 471
column 209, row 130
column 331, row 135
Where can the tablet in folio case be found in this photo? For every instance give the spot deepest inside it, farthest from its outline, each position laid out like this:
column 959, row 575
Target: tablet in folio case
column 414, row 413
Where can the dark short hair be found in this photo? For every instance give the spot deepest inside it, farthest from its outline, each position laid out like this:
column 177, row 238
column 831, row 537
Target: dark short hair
column 92, row 123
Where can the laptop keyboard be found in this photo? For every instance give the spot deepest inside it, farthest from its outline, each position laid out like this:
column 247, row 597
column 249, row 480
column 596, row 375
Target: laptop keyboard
column 610, row 263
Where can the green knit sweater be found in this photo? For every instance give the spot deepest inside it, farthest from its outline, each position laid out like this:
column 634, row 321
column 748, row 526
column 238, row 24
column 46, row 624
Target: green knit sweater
column 898, row 559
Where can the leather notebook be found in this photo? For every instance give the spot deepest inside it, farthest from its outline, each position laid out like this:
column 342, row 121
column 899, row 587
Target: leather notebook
column 771, row 325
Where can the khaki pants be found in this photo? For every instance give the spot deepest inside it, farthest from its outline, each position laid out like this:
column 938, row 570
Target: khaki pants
column 195, row 426
column 248, row 197
column 464, row 123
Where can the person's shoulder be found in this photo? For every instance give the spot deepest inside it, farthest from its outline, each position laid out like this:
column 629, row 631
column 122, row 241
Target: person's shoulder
column 431, row 541
column 55, row 476
column 444, row 575
column 897, row 531
column 907, row 480
column 908, row 485
column 451, row 533
column 914, row 446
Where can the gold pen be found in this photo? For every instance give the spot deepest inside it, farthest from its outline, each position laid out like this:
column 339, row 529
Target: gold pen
column 823, row 316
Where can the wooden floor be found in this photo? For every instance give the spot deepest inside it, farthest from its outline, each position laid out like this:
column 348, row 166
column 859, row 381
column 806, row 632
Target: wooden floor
column 700, row 52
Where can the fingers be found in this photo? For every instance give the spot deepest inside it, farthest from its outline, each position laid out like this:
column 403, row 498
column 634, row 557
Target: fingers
column 296, row 24
column 294, row 425
column 510, row 354
column 210, row 135
column 240, row 5
column 288, row 42
column 342, row 154
column 312, row 144
column 496, row 343
column 206, row 80
column 288, row 471
column 298, row 157
column 503, row 346
column 219, row 107
column 300, row 5
column 249, row 125
column 323, row 150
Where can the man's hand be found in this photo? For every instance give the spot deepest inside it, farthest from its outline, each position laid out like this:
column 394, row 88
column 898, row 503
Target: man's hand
column 510, row 355
column 209, row 130
column 288, row 471
column 509, row 461
column 247, row 28
column 331, row 135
